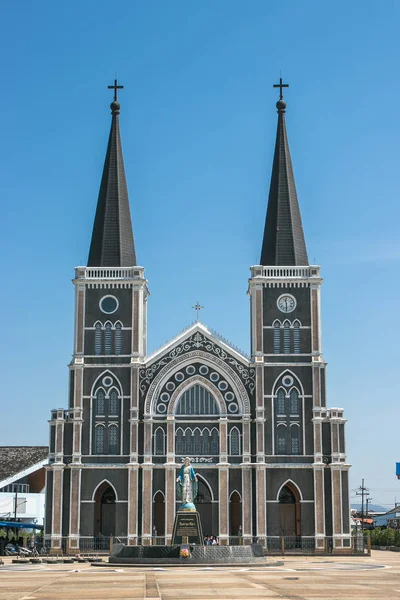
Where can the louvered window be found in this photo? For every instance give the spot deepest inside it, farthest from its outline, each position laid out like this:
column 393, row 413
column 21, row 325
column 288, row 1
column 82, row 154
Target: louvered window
column 294, row 402
column 97, row 339
column 296, row 337
column 197, row 401
column 235, row 442
column 113, row 403
column 286, row 338
column 107, row 339
column 280, row 402
column 113, row 439
column 100, row 397
column 99, row 439
column 277, row 338
column 118, row 338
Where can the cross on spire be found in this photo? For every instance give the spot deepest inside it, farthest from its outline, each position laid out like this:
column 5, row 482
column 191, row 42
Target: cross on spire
column 115, row 87
column 197, row 308
column 280, row 85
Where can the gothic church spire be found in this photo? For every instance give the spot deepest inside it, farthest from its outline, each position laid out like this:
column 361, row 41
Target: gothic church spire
column 283, row 242
column 112, row 243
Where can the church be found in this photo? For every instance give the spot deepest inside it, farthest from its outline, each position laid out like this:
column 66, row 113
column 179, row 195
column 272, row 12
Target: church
column 269, row 454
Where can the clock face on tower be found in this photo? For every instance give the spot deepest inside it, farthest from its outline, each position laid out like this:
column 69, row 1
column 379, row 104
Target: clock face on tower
column 286, row 303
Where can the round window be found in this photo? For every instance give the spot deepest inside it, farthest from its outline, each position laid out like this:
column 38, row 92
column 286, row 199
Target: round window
column 108, row 304
column 203, row 370
column 214, row 376
column 287, row 380
column 164, row 396
column 107, row 381
column 179, row 376
column 223, row 385
column 170, row 386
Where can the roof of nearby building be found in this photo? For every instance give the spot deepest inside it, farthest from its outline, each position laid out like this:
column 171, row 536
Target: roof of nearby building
column 283, row 242
column 112, row 242
column 14, row 459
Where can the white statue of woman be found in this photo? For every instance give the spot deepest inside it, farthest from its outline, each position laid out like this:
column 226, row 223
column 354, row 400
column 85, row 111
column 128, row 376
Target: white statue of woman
column 187, row 485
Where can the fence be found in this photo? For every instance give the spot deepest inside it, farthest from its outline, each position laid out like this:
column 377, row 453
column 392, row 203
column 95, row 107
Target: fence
column 278, row 545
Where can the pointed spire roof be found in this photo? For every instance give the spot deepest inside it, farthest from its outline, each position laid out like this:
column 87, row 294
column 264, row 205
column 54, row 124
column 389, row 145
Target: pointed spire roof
column 112, row 242
column 283, row 242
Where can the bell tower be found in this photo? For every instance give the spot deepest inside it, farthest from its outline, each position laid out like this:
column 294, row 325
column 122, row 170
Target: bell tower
column 100, row 427
column 296, row 437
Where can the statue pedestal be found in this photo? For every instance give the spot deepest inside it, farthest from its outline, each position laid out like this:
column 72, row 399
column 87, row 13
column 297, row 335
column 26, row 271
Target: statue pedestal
column 187, row 528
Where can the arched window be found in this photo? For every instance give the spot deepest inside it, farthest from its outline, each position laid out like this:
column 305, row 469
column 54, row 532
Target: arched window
column 107, row 338
column 100, row 404
column 99, row 439
column 234, row 448
column 294, row 402
column 118, row 338
column 277, row 337
column 280, row 402
column 159, row 442
column 214, row 442
column 197, row 401
column 286, row 337
column 295, row 442
column 196, row 442
column 113, row 439
column 296, row 337
column 113, row 402
column 97, row 339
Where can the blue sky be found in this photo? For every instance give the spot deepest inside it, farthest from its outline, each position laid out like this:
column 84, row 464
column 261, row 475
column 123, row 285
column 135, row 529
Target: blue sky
column 198, row 124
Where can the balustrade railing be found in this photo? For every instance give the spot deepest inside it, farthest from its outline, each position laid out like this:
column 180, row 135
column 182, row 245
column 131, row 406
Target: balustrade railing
column 286, row 272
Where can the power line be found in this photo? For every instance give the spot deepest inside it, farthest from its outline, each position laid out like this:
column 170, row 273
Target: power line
column 363, row 492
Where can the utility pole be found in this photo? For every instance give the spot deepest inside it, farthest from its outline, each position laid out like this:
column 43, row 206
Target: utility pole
column 363, row 492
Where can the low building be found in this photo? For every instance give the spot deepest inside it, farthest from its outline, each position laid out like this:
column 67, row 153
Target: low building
column 22, row 485
column 389, row 519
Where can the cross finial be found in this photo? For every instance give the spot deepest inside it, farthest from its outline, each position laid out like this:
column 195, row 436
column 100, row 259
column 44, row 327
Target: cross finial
column 197, row 308
column 115, row 87
column 280, row 85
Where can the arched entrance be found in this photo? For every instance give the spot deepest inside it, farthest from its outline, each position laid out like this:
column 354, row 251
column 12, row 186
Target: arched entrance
column 289, row 511
column 159, row 514
column 235, row 514
column 205, row 508
column 104, row 511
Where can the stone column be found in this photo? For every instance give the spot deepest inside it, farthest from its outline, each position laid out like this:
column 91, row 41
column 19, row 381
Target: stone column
column 75, row 506
column 58, row 471
column 133, row 465
column 261, row 503
column 133, row 470
column 246, row 440
column 319, row 468
column 247, row 527
column 147, row 503
column 56, row 523
column 223, row 440
column 223, row 476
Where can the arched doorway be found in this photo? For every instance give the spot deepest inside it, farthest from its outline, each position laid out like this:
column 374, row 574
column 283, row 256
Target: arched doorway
column 159, row 514
column 289, row 510
column 205, row 508
column 104, row 513
column 235, row 514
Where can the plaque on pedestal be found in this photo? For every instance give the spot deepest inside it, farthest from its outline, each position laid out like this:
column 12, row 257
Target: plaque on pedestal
column 187, row 528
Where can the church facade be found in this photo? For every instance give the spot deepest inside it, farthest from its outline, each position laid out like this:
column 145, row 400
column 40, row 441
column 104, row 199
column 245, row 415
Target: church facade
column 269, row 454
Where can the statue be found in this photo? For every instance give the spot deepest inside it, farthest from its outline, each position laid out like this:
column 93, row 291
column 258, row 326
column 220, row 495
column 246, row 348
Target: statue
column 187, row 486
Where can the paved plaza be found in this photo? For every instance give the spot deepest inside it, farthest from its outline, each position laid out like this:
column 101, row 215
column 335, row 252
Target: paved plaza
column 298, row 578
